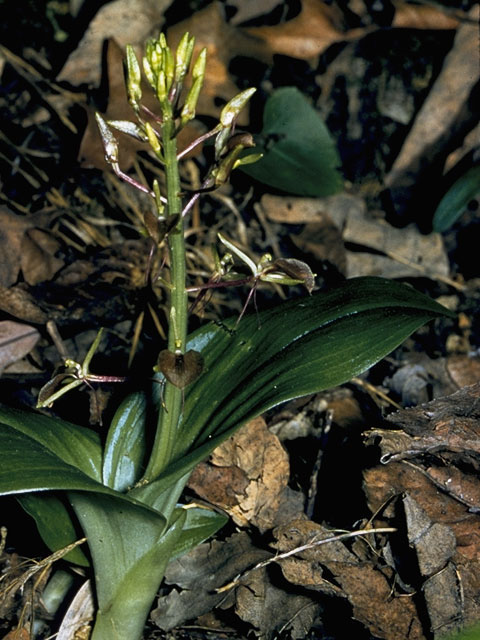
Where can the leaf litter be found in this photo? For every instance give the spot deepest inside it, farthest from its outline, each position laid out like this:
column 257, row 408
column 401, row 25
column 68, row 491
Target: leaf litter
column 401, row 121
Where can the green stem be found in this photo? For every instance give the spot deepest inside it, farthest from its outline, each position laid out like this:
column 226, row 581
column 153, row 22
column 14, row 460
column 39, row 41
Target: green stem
column 169, row 413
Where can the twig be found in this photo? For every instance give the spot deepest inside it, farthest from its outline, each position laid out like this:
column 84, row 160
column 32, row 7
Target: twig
column 304, row 547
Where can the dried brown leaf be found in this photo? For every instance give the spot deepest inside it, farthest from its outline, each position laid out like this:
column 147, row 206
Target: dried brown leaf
column 422, row 16
column 316, row 27
column 437, row 473
column 272, row 610
column 37, row 259
column 442, row 117
column 367, row 589
column 247, row 476
column 19, row 303
column 16, row 340
column 127, row 21
column 13, row 228
column 199, row 573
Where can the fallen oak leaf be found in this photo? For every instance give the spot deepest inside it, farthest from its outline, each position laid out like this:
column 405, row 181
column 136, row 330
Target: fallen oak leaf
column 309, row 34
column 24, row 245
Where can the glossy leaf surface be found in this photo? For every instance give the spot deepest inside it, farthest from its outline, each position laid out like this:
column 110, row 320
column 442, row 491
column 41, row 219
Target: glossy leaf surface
column 299, row 155
column 125, row 445
column 74, row 445
column 454, row 202
column 294, row 349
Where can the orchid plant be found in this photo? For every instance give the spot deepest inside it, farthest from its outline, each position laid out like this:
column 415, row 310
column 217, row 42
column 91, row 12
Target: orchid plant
column 124, row 490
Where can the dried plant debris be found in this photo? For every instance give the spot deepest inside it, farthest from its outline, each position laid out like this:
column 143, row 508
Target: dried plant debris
column 429, row 483
column 199, row 575
column 247, row 476
column 445, row 114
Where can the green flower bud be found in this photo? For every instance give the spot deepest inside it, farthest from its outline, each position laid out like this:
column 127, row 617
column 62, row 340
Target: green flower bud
column 198, row 70
column 147, row 68
column 153, row 138
column 183, row 57
column 134, row 78
column 232, row 109
column 168, row 67
column 161, row 87
column 158, row 198
column 188, row 109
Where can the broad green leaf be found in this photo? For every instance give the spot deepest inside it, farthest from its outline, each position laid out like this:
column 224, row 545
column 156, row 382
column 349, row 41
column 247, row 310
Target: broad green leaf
column 299, row 156
column 125, row 445
column 297, row 348
column 453, row 203
column 54, row 523
column 130, row 550
column 77, row 446
column 28, row 466
column 199, row 525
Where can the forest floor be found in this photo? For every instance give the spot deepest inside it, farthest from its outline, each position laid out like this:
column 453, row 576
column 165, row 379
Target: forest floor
column 395, row 82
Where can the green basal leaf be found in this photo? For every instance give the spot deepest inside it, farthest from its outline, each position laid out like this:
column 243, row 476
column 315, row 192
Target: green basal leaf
column 54, row 523
column 26, row 466
column 125, row 446
column 74, row 445
column 299, row 155
column 130, row 549
column 296, row 348
column 454, row 202
column 199, row 525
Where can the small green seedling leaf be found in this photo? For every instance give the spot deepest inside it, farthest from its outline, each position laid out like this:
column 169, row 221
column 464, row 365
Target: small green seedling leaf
column 299, row 155
column 453, row 203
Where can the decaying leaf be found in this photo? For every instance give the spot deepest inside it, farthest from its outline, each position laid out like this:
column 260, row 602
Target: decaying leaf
column 16, row 340
column 247, row 476
column 37, row 258
column 418, row 16
column 13, row 227
column 374, row 247
column 127, row 21
column 199, row 573
column 441, row 117
column 25, row 246
column 334, row 570
column 432, row 460
column 271, row 610
column 17, row 302
column 317, row 26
